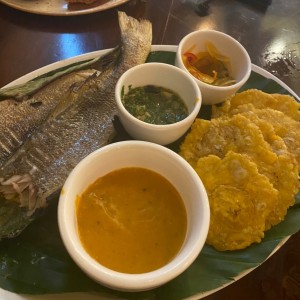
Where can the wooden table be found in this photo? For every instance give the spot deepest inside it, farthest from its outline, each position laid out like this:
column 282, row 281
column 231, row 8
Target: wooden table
column 270, row 33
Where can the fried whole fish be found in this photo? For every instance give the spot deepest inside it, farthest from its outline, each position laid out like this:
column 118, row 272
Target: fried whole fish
column 28, row 105
column 79, row 124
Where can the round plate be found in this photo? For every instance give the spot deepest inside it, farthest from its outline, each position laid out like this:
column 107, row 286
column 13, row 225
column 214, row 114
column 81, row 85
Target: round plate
column 60, row 7
column 87, row 296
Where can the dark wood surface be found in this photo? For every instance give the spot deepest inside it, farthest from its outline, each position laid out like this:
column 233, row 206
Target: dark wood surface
column 270, row 33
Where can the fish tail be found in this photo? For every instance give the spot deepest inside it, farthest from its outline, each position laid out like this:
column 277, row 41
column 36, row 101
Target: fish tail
column 128, row 24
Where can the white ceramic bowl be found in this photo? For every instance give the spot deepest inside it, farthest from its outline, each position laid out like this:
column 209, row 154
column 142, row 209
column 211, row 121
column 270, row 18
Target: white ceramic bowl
column 226, row 45
column 135, row 154
column 163, row 75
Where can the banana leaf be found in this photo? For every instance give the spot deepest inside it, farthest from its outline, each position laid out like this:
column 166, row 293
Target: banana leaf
column 36, row 262
column 31, row 86
column 26, row 89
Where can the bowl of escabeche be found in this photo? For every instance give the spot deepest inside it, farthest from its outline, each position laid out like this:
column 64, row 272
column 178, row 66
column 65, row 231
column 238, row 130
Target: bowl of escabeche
column 133, row 215
column 217, row 62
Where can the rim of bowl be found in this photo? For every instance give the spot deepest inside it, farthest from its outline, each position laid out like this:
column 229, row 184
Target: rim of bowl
column 124, row 281
column 242, row 48
column 192, row 114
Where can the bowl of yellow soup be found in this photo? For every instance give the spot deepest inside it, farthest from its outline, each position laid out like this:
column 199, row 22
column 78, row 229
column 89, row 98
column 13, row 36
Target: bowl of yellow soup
column 217, row 62
column 157, row 102
column 133, row 215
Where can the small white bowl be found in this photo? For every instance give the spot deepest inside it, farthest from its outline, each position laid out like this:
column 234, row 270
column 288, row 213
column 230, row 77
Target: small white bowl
column 158, row 159
column 166, row 76
column 226, row 45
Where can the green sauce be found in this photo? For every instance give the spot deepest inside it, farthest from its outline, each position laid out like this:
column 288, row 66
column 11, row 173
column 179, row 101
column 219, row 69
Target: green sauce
column 155, row 105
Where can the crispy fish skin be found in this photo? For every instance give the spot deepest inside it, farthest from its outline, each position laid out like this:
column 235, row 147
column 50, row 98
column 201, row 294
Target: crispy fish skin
column 22, row 115
column 42, row 164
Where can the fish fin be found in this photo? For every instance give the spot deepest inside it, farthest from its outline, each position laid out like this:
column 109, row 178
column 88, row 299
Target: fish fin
column 72, row 98
column 107, row 60
column 104, row 62
column 129, row 24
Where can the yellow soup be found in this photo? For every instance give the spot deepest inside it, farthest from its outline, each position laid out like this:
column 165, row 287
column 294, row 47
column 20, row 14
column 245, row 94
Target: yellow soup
column 131, row 220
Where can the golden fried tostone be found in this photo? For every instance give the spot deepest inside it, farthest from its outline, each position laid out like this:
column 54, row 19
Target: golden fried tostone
column 221, row 135
column 283, row 126
column 259, row 99
column 241, row 135
column 240, row 200
column 264, row 128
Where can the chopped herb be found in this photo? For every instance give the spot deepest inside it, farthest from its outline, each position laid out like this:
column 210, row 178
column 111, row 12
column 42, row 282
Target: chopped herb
column 155, row 105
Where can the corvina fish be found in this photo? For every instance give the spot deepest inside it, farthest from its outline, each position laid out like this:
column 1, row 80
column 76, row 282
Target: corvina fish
column 22, row 114
column 79, row 124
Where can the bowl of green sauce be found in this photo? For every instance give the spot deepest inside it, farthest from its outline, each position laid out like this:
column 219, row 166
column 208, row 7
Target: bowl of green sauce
column 157, row 102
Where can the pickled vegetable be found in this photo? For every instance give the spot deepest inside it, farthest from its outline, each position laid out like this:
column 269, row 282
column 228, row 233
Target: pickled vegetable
column 209, row 66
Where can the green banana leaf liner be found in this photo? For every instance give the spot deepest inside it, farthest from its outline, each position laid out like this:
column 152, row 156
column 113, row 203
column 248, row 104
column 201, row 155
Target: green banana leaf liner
column 36, row 262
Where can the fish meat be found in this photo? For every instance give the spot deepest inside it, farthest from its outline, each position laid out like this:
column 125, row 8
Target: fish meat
column 22, row 112
column 79, row 124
